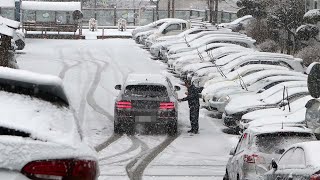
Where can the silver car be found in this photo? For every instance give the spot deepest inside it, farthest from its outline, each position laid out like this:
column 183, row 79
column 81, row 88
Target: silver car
column 258, row 146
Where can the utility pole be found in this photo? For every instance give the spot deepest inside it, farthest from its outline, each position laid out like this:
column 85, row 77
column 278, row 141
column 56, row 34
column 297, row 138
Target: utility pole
column 216, row 9
column 173, row 8
column 169, row 8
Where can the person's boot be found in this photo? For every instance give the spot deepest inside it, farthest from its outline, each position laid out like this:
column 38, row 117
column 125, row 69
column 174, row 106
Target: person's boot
column 191, row 131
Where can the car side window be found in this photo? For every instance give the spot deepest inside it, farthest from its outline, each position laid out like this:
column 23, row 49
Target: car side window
column 184, row 26
column 294, row 158
column 286, row 159
column 173, row 27
column 242, row 143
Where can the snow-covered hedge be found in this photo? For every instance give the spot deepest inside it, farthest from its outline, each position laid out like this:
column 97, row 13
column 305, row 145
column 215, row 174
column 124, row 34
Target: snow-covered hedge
column 310, row 54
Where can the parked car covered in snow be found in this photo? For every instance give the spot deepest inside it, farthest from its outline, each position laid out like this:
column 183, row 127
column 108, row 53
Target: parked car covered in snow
column 170, row 28
column 251, row 158
column 276, row 113
column 148, row 99
column 40, row 135
column 238, row 24
column 273, row 97
column 299, row 161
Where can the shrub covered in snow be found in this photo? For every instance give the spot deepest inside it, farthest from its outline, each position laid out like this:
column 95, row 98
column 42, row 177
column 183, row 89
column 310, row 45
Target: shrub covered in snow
column 258, row 30
column 310, row 54
column 269, row 46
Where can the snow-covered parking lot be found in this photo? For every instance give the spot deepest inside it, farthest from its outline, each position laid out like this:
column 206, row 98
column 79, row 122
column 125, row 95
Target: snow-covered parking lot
column 90, row 69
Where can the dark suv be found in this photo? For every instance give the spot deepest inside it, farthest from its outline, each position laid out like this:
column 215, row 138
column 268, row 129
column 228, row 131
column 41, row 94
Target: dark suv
column 146, row 99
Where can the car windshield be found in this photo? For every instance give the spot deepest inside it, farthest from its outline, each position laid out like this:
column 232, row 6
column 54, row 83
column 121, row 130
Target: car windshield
column 274, row 142
column 146, row 91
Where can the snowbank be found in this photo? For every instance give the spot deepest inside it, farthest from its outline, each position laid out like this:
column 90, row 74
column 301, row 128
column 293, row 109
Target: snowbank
column 50, row 6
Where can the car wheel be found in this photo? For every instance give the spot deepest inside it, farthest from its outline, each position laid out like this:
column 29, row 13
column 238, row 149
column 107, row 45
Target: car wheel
column 226, row 176
column 172, row 129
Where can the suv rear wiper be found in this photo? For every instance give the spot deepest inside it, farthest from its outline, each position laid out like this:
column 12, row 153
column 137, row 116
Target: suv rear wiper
column 13, row 132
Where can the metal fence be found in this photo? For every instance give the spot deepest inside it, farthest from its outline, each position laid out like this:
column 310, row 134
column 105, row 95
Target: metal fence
column 136, row 17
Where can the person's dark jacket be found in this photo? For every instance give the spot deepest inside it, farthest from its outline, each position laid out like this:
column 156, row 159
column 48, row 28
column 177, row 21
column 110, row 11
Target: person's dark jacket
column 193, row 96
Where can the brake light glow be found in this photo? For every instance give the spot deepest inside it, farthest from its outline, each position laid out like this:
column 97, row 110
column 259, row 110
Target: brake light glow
column 250, row 158
column 61, row 169
column 166, row 105
column 315, row 177
column 124, row 105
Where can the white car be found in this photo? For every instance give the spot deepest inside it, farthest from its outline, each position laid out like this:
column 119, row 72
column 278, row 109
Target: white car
column 174, row 63
column 170, row 28
column 40, row 136
column 209, row 55
column 293, row 113
column 221, row 98
column 299, row 161
column 237, row 24
column 273, row 97
column 251, row 158
column 233, row 39
column 150, row 26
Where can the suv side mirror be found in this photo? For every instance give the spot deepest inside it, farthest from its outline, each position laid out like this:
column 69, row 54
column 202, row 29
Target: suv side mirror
column 164, row 31
column 177, row 88
column 232, row 151
column 118, row 87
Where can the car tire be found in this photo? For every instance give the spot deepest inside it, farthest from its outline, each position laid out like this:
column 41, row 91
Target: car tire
column 172, row 129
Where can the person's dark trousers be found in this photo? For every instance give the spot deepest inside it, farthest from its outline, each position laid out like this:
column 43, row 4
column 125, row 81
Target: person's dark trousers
column 194, row 118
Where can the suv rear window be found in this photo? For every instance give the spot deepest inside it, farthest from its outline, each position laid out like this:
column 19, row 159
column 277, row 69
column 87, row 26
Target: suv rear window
column 146, row 91
column 273, row 142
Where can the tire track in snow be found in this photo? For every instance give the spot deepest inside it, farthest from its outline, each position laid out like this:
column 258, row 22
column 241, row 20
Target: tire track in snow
column 137, row 166
column 136, row 143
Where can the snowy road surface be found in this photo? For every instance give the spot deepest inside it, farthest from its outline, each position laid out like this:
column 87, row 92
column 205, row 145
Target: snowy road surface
column 90, row 69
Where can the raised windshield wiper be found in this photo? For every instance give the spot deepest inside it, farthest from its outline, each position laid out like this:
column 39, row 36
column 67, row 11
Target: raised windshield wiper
column 13, row 132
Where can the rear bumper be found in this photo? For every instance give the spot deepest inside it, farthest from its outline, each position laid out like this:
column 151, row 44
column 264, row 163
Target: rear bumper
column 146, row 117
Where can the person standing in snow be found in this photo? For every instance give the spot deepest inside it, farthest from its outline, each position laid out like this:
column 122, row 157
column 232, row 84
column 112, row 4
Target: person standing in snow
column 194, row 106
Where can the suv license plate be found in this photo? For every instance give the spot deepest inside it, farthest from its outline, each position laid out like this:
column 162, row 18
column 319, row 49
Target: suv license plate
column 143, row 118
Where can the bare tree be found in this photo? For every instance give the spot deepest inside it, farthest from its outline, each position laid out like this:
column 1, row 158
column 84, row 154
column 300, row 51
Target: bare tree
column 156, row 3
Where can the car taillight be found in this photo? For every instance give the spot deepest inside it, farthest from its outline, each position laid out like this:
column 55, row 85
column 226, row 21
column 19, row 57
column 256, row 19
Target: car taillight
column 61, row 169
column 250, row 158
column 166, row 105
column 315, row 177
column 124, row 105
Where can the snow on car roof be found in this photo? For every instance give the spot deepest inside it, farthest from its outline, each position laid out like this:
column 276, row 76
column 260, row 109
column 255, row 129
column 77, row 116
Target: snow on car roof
column 311, row 13
column 311, row 150
column 51, row 6
column 41, row 119
column 297, row 117
column 278, row 128
column 7, row 3
column 133, row 79
column 9, row 22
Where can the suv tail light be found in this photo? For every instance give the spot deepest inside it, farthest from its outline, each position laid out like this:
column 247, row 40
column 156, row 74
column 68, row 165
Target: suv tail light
column 124, row 105
column 61, row 169
column 315, row 177
column 166, row 105
column 250, row 158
